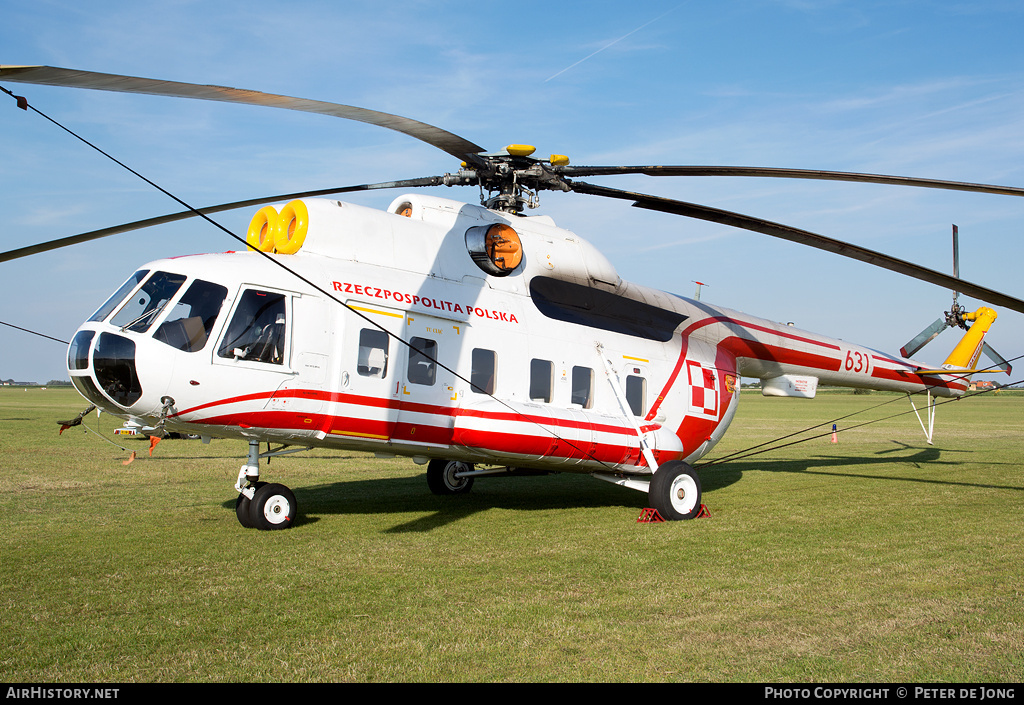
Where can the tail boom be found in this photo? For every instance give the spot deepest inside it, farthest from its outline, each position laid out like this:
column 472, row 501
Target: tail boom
column 769, row 350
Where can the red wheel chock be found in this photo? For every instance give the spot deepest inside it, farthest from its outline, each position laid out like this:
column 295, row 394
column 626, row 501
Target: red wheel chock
column 649, row 516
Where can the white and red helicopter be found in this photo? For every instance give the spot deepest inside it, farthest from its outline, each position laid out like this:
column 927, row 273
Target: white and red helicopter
column 472, row 338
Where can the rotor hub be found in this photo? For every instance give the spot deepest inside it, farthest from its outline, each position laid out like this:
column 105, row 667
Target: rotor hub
column 510, row 180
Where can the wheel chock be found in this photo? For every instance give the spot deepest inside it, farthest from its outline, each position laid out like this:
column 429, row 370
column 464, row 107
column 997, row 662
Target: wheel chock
column 649, row 516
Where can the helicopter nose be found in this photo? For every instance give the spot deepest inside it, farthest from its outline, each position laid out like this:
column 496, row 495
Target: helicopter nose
column 103, row 369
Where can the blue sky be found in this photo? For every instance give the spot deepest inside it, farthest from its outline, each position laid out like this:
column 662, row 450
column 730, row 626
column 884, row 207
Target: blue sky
column 931, row 89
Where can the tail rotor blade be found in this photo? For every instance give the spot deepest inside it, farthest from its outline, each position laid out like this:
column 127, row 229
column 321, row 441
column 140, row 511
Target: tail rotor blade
column 956, row 259
column 999, row 360
column 956, row 252
column 923, row 338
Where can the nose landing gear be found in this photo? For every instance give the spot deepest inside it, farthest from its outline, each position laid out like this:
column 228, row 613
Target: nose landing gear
column 262, row 505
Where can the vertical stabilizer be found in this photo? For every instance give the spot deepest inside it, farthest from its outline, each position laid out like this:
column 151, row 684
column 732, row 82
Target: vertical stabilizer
column 965, row 355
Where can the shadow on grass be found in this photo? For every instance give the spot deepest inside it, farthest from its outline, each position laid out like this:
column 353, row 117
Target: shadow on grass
column 405, row 495
column 930, row 458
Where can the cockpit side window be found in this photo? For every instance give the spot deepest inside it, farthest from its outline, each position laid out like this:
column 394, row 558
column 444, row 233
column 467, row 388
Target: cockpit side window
column 257, row 330
column 139, row 312
column 119, row 295
column 189, row 323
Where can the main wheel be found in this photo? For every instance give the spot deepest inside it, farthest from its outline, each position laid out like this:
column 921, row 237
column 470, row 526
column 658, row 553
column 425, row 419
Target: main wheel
column 272, row 507
column 675, row 491
column 441, row 477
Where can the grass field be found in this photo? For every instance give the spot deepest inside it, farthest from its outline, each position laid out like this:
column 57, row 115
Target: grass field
column 878, row 558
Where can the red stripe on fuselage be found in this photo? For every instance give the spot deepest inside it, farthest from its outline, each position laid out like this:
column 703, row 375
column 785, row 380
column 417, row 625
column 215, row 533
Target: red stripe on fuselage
column 741, row 347
column 684, row 346
column 518, row 443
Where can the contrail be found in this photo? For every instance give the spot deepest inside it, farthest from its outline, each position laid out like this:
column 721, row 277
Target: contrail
column 612, row 43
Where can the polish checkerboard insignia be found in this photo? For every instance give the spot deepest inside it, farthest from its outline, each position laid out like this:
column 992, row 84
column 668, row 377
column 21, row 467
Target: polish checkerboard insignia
column 703, row 390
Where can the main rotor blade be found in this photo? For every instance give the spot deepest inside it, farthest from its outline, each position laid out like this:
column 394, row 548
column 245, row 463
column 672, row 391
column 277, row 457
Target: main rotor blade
column 772, row 172
column 803, row 237
column 170, row 218
column 53, row 76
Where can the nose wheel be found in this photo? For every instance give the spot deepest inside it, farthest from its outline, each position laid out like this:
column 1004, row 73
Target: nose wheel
column 262, row 505
column 272, row 507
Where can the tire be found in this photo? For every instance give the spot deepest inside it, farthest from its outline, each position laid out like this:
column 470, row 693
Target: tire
column 272, row 507
column 441, row 477
column 242, row 507
column 675, row 491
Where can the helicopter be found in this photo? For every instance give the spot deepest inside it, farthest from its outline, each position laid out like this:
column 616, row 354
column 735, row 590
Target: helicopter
column 472, row 338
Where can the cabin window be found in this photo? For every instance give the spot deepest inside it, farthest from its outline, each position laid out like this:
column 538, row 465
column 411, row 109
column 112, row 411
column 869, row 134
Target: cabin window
column 373, row 353
column 583, row 386
column 636, row 394
column 189, row 323
column 139, row 312
column 423, row 361
column 257, row 330
column 542, row 373
column 481, row 376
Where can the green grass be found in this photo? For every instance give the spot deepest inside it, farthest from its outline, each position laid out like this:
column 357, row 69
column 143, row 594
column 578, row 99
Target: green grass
column 878, row 558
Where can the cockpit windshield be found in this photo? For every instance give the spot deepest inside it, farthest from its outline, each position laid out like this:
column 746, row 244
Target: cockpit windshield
column 115, row 300
column 139, row 312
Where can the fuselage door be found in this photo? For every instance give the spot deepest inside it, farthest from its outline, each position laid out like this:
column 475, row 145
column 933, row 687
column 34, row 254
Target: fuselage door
column 370, row 375
column 428, row 391
column 300, row 399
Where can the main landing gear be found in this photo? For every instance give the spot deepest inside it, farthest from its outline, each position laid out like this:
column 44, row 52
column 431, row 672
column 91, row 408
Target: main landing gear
column 262, row 505
column 446, row 477
column 675, row 491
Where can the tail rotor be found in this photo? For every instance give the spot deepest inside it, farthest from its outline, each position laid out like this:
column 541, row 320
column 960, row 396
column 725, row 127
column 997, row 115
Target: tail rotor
column 956, row 317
